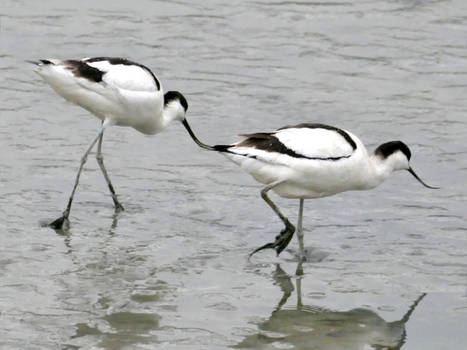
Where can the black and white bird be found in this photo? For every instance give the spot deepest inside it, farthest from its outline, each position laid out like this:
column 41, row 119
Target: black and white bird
column 118, row 92
column 313, row 161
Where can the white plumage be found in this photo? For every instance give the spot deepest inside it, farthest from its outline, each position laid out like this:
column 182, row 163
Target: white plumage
column 313, row 161
column 118, row 92
column 314, row 142
column 324, row 162
column 126, row 77
column 126, row 94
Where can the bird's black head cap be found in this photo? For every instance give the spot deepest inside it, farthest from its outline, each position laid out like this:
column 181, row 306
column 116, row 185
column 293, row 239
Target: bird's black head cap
column 388, row 148
column 175, row 95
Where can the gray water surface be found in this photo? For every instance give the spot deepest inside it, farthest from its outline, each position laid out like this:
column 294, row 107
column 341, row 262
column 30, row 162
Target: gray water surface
column 387, row 268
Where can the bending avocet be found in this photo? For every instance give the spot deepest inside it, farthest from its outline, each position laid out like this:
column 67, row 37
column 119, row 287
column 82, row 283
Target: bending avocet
column 313, row 161
column 118, row 92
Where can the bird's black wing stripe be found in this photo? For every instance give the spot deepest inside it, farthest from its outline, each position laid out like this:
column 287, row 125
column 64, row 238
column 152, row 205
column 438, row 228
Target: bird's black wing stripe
column 341, row 132
column 226, row 149
column 258, row 135
column 269, row 143
column 124, row 61
column 82, row 70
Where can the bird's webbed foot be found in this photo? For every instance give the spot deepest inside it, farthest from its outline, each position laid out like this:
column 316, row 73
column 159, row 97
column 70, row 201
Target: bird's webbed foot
column 118, row 207
column 281, row 242
column 60, row 224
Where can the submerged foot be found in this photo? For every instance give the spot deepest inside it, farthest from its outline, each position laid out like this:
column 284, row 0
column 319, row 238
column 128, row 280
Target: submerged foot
column 282, row 240
column 118, row 207
column 60, row 224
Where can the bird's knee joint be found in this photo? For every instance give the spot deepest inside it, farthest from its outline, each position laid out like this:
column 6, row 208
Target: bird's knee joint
column 99, row 157
column 290, row 227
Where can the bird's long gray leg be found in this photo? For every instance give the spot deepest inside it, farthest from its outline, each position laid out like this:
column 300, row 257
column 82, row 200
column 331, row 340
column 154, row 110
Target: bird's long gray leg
column 58, row 224
column 283, row 239
column 100, row 161
column 298, row 281
column 300, row 230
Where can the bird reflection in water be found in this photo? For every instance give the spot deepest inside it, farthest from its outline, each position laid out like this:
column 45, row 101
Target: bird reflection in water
column 65, row 231
column 313, row 327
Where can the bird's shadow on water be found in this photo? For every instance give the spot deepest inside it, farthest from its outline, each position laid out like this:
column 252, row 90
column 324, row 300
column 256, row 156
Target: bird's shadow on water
column 314, row 327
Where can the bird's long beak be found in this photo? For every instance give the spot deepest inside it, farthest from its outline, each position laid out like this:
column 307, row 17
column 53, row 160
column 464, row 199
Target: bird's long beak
column 410, row 170
column 193, row 136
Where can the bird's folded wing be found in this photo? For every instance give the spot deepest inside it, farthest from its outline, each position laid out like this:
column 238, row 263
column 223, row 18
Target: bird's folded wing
column 125, row 75
column 317, row 142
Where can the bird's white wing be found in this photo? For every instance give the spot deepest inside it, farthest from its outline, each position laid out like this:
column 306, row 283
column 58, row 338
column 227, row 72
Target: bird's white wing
column 104, row 86
column 290, row 146
column 124, row 74
column 316, row 141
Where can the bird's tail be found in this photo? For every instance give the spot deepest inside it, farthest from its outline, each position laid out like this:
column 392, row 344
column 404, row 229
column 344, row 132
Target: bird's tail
column 48, row 68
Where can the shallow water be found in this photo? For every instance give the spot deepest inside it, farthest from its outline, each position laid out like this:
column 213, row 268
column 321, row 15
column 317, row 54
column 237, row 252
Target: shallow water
column 388, row 267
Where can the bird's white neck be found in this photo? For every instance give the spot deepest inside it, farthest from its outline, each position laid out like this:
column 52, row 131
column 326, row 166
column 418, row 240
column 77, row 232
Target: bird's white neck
column 168, row 114
column 172, row 111
column 378, row 170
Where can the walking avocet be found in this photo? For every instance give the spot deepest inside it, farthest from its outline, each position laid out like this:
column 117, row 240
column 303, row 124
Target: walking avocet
column 313, row 161
column 118, row 92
